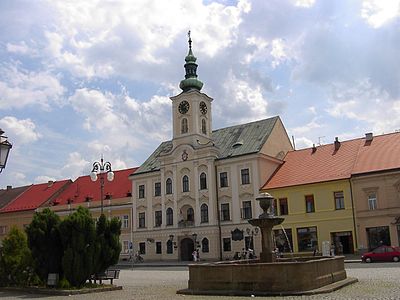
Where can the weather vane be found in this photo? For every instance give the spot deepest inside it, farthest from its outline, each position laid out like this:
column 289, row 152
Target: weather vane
column 190, row 40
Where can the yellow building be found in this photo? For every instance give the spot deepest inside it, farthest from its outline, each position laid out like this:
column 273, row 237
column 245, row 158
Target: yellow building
column 313, row 192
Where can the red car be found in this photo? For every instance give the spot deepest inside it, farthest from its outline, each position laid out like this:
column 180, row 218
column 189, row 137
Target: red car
column 382, row 253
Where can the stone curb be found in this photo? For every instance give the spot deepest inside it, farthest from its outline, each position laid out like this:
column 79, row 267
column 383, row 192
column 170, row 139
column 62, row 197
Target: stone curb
column 322, row 290
column 58, row 292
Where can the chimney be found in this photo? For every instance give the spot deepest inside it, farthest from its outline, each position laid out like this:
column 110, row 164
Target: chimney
column 314, row 149
column 369, row 137
column 50, row 183
column 9, row 187
column 337, row 144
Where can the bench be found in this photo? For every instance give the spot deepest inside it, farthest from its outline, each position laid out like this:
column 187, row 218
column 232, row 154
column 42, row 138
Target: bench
column 107, row 275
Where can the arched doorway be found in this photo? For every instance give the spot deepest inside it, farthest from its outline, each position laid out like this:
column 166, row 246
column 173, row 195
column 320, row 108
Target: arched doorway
column 187, row 248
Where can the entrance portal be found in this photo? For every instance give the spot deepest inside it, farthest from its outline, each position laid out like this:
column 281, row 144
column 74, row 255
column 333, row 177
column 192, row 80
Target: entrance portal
column 187, row 248
column 343, row 242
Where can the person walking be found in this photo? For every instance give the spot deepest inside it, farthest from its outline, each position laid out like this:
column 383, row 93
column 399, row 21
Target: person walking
column 194, row 254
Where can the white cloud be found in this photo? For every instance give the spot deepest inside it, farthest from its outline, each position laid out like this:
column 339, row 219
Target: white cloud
column 19, row 131
column 379, row 12
column 20, row 87
column 21, row 48
column 19, row 179
column 303, row 142
column 75, row 166
column 365, row 102
column 311, row 126
column 304, row 3
column 43, row 179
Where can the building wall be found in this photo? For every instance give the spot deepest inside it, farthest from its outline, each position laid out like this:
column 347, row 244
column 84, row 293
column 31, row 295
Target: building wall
column 19, row 219
column 386, row 186
column 326, row 218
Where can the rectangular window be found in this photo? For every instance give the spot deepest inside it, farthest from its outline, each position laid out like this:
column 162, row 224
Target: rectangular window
column 372, row 203
column 378, row 236
column 157, row 189
column 3, row 229
column 225, row 215
column 307, row 238
column 141, row 191
column 223, row 179
column 142, row 248
column 245, row 174
column 339, row 200
column 125, row 246
column 125, row 221
column 142, row 220
column 283, row 240
column 157, row 218
column 227, row 244
column 310, row 204
column 170, row 245
column 283, row 206
column 158, row 247
column 246, row 210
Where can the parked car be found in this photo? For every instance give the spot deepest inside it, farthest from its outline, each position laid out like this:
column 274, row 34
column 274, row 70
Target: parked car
column 382, row 253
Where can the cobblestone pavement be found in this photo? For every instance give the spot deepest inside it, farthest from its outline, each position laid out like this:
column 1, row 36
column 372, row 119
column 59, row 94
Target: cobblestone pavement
column 375, row 282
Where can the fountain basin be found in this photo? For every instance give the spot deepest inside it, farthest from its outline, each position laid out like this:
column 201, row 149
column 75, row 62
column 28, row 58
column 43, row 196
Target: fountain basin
column 257, row 278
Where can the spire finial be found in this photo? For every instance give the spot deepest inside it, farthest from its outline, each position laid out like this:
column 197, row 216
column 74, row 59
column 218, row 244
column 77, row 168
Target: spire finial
column 190, row 40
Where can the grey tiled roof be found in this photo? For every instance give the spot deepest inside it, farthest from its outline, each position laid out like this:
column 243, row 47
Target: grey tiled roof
column 232, row 141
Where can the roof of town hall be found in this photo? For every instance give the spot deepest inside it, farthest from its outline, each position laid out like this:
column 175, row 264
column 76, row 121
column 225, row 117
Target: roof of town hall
column 232, row 141
column 83, row 189
column 353, row 157
column 35, row 196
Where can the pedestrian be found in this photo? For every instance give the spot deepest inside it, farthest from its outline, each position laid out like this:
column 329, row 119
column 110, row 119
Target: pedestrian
column 194, row 254
column 197, row 254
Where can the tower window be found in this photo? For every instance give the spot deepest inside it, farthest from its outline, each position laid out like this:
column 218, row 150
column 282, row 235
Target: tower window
column 185, row 183
column 168, row 186
column 203, row 126
column 170, row 216
column 203, row 181
column 184, row 127
column 204, row 213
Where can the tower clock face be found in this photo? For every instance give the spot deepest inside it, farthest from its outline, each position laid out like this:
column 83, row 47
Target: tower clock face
column 183, row 107
column 203, row 107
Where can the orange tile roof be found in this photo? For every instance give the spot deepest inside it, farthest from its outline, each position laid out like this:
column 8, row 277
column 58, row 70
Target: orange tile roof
column 83, row 188
column 325, row 164
column 35, row 196
column 382, row 153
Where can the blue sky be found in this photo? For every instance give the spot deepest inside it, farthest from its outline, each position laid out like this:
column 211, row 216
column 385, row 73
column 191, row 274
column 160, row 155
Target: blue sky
column 79, row 79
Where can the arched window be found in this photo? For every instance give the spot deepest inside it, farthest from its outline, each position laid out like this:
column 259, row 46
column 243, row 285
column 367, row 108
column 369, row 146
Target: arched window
column 168, row 186
column 170, row 216
column 204, row 213
column 203, row 126
column 204, row 245
column 203, row 181
column 184, row 126
column 185, row 183
column 190, row 214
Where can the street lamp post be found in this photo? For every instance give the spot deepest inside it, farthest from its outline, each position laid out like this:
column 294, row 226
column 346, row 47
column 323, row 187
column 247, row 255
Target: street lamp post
column 5, row 147
column 102, row 168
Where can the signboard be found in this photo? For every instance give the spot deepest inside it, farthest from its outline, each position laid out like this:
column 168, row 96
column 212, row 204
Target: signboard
column 52, row 279
column 237, row 234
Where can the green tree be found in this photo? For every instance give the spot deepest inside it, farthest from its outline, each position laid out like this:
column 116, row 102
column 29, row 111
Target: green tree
column 109, row 246
column 16, row 264
column 78, row 236
column 45, row 243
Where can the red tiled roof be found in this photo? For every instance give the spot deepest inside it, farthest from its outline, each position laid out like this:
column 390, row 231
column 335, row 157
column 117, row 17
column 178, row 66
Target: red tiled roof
column 325, row 164
column 83, row 187
column 34, row 196
column 382, row 153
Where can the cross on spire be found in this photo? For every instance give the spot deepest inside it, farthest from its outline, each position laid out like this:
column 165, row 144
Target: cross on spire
column 190, row 40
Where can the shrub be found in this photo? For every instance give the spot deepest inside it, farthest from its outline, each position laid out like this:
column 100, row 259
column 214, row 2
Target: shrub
column 78, row 236
column 16, row 264
column 45, row 243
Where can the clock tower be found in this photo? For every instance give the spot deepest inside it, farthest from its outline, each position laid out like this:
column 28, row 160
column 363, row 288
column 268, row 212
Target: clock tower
column 191, row 109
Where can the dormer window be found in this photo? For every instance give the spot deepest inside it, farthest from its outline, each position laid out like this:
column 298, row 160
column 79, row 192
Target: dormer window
column 184, row 126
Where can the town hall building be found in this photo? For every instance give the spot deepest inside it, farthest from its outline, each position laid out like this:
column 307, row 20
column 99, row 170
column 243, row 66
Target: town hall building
column 198, row 190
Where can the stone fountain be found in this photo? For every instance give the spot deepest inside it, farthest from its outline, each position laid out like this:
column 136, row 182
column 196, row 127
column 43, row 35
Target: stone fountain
column 267, row 276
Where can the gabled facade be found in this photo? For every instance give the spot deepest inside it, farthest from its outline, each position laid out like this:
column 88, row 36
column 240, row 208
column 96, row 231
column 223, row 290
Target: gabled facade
column 19, row 211
column 194, row 190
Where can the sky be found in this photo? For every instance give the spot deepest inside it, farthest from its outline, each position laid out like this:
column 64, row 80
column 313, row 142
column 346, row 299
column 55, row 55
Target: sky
column 81, row 79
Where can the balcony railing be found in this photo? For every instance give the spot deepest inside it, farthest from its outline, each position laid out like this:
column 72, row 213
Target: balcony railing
column 185, row 223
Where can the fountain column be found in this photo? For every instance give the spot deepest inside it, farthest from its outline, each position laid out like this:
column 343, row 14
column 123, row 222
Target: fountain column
column 266, row 221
